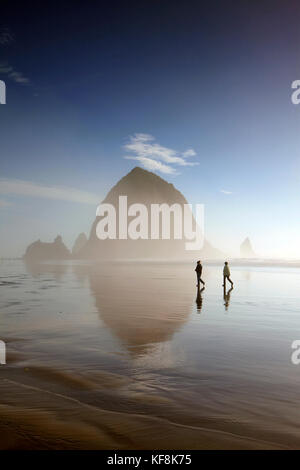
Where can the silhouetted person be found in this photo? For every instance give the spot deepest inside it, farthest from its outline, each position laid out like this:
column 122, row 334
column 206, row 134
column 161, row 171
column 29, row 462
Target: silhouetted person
column 199, row 272
column 226, row 274
column 199, row 299
column 227, row 297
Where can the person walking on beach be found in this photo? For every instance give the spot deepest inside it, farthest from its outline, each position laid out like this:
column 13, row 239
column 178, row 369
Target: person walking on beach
column 199, row 272
column 226, row 274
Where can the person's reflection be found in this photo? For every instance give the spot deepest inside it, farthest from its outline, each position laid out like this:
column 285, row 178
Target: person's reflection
column 227, row 297
column 199, row 298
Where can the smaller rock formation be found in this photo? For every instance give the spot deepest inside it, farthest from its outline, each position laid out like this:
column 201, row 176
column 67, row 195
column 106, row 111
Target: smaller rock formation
column 40, row 251
column 246, row 249
column 80, row 242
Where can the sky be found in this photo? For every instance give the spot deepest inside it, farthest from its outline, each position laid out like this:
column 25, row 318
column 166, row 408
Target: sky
column 199, row 93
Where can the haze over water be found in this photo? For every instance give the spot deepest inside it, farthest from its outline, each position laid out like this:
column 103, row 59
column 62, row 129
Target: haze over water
column 128, row 355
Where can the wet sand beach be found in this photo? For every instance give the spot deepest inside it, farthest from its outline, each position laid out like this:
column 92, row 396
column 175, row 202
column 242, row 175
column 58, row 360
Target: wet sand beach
column 131, row 356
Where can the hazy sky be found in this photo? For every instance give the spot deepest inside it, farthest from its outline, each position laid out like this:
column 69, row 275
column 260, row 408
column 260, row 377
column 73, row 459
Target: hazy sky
column 199, row 94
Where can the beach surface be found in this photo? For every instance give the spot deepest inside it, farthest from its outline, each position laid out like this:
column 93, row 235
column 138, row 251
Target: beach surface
column 133, row 356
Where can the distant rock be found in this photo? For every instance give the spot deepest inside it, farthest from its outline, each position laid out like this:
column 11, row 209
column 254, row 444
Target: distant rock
column 143, row 187
column 246, row 249
column 80, row 242
column 40, row 251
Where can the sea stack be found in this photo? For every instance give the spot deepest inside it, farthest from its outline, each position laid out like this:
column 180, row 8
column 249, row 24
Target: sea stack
column 246, row 249
column 40, row 251
column 80, row 242
column 143, row 187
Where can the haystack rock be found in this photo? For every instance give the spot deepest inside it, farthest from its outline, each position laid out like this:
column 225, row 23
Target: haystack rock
column 143, row 187
column 246, row 249
column 40, row 251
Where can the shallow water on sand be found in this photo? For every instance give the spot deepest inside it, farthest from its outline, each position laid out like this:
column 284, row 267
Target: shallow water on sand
column 131, row 356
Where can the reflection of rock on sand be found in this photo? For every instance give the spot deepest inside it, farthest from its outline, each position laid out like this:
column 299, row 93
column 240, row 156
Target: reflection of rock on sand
column 158, row 356
column 58, row 270
column 142, row 305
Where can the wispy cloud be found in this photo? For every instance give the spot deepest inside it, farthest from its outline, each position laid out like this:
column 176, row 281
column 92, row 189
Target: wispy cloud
column 189, row 153
column 11, row 73
column 154, row 165
column 224, row 191
column 154, row 156
column 6, row 36
column 27, row 188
